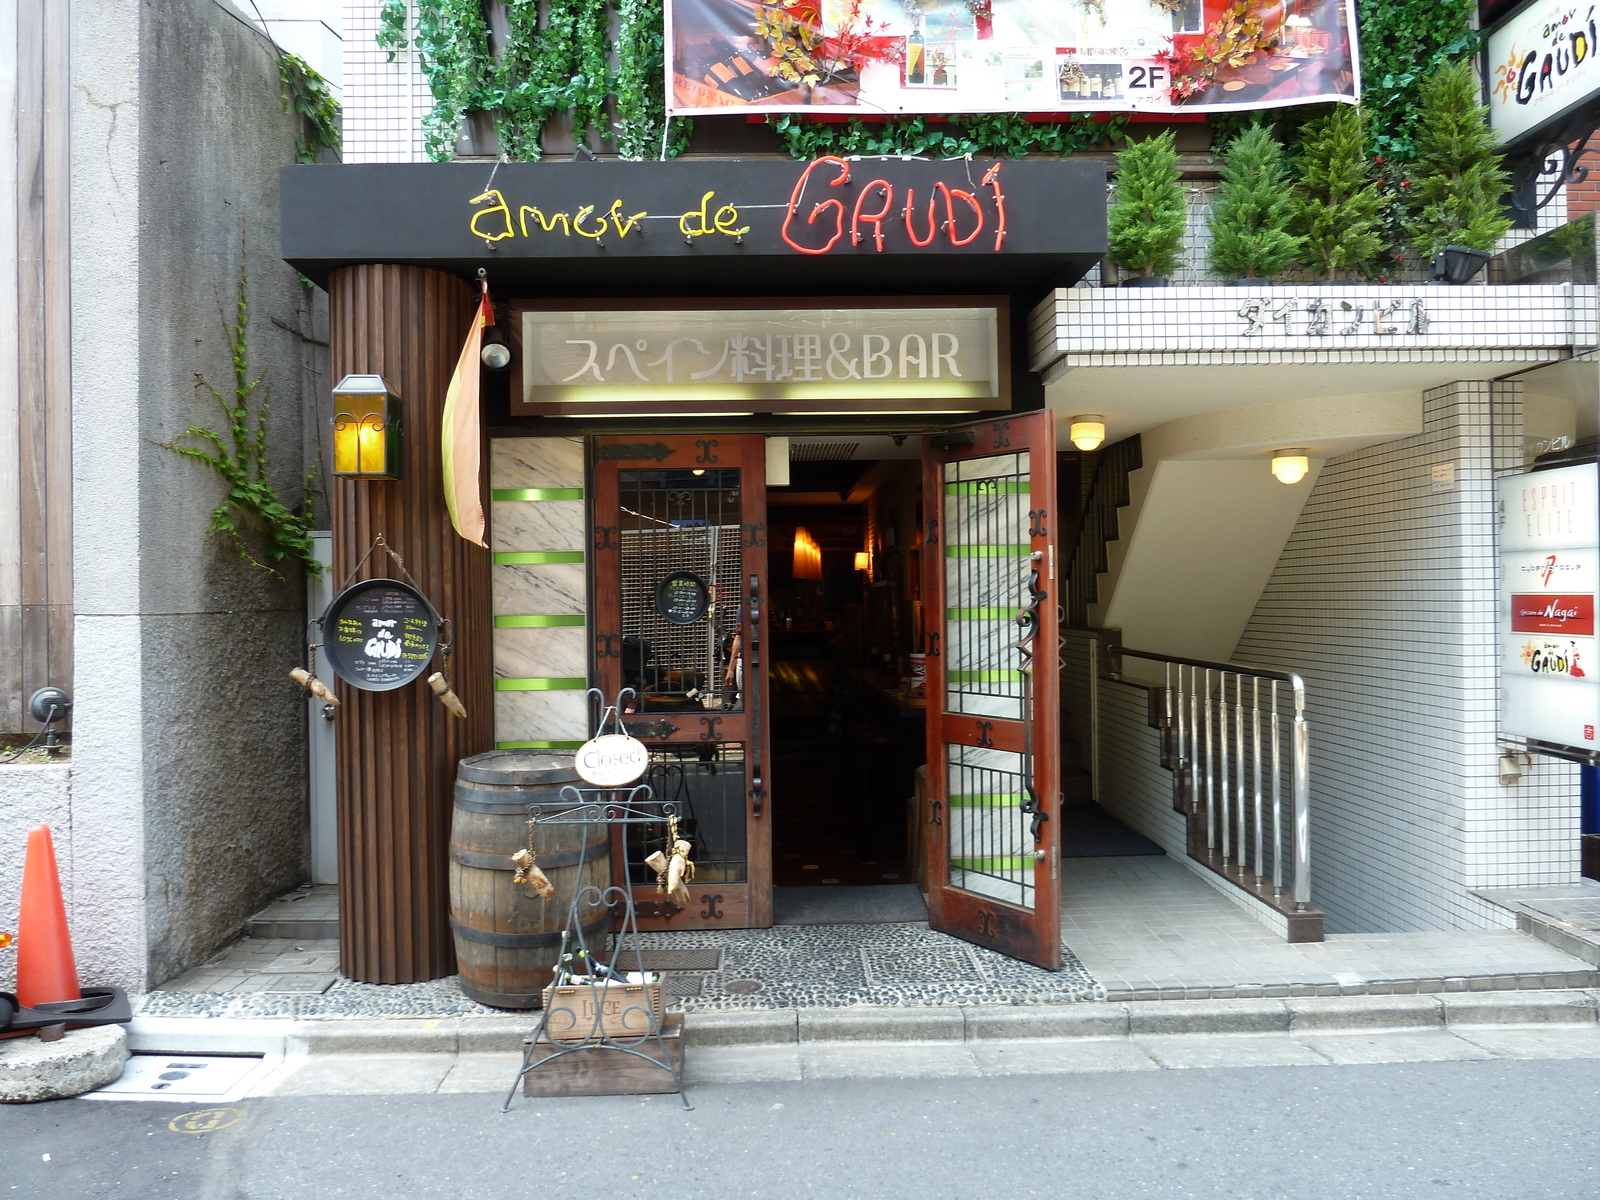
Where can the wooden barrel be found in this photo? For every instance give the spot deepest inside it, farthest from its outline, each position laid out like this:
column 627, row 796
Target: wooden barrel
column 507, row 938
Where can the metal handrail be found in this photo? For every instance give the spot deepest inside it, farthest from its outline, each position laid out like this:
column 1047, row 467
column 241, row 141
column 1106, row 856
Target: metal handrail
column 1203, row 760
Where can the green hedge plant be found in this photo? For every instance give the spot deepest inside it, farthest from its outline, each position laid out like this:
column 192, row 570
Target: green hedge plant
column 1251, row 221
column 1146, row 223
column 1456, row 185
column 1339, row 206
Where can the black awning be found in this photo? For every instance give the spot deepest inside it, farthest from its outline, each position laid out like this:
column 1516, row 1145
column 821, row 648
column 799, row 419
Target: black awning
column 705, row 227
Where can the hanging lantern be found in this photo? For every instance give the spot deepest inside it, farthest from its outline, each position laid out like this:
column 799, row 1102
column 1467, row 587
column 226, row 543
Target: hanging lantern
column 807, row 555
column 366, row 429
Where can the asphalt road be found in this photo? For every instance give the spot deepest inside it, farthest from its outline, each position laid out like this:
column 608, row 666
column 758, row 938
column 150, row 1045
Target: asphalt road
column 1492, row 1129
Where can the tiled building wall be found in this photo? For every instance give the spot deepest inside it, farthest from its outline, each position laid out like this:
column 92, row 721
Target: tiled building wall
column 1384, row 599
column 384, row 102
column 537, row 533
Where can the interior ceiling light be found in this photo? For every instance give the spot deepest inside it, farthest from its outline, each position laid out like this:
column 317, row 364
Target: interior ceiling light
column 1088, row 431
column 1290, row 465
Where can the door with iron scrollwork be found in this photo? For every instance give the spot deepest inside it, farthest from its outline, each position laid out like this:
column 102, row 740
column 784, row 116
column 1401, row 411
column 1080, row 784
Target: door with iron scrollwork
column 993, row 662
column 680, row 574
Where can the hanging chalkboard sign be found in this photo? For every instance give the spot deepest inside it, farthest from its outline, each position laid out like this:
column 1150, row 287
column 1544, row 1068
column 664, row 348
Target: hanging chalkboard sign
column 379, row 634
column 682, row 598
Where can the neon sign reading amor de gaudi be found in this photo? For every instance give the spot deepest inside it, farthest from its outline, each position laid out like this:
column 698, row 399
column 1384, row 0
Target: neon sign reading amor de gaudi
column 828, row 208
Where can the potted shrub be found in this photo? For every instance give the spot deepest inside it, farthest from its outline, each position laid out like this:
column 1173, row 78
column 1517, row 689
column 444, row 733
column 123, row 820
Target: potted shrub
column 1147, row 221
column 1338, row 206
column 1454, row 189
column 1251, row 236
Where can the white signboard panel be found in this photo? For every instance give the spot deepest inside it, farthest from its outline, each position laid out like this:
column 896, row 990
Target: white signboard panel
column 1542, row 62
column 1549, row 584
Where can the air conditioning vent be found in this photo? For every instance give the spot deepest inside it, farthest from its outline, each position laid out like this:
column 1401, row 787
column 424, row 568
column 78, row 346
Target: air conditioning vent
column 822, row 451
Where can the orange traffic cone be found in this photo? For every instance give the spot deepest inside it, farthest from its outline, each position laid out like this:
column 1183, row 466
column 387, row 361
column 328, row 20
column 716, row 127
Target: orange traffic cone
column 45, row 967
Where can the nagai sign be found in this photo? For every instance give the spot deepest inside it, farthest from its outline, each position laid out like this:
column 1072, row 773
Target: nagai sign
column 1550, row 578
column 1544, row 63
column 931, row 359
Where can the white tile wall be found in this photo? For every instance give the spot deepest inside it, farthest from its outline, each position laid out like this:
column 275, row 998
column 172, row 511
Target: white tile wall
column 384, row 102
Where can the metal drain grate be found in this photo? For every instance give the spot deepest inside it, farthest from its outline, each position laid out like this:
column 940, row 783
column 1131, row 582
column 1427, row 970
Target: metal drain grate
column 679, row 986
column 690, row 959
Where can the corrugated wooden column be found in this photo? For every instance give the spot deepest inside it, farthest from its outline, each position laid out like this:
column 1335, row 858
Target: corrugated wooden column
column 398, row 750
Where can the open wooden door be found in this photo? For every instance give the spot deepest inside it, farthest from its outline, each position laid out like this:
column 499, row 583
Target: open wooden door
column 993, row 661
column 680, row 572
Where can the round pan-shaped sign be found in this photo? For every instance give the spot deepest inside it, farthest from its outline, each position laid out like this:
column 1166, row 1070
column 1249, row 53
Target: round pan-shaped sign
column 611, row 760
column 682, row 598
column 379, row 634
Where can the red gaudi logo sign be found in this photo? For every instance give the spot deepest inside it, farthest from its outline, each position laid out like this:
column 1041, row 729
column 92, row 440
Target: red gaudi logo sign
column 1571, row 615
column 965, row 215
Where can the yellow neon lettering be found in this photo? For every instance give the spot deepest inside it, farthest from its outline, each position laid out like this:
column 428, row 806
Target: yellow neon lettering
column 577, row 226
column 683, row 221
column 623, row 225
column 722, row 223
column 499, row 207
column 547, row 225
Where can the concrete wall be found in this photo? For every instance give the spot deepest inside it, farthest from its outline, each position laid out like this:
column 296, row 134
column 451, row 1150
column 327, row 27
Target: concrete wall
column 189, row 749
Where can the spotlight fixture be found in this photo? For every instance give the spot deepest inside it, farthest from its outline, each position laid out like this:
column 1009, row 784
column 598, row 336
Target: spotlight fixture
column 1290, row 465
column 1088, row 431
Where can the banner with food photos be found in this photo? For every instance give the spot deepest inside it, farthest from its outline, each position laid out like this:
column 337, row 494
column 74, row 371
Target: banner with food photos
column 867, row 57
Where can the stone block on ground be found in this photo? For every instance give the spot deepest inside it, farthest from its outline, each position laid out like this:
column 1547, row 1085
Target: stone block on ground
column 82, row 1060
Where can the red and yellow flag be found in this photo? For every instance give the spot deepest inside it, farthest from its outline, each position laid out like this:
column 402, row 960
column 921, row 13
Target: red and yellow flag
column 462, row 435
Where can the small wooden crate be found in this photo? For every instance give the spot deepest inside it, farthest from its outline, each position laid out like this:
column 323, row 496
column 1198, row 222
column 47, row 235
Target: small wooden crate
column 600, row 1071
column 625, row 1010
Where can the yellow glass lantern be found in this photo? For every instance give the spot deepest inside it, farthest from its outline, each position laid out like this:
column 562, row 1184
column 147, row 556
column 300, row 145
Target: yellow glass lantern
column 366, row 429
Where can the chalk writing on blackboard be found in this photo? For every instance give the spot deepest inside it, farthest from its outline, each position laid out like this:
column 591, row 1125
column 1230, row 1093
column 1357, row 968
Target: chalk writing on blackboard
column 682, row 598
column 379, row 634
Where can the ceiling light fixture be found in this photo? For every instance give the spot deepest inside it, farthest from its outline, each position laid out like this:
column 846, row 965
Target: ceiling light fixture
column 1290, row 465
column 1088, row 431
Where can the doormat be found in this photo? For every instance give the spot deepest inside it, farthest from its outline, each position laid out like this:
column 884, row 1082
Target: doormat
column 865, row 904
column 1089, row 831
column 692, row 958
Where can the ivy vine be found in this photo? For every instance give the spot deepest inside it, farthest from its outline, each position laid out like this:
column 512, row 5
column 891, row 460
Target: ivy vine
column 391, row 34
column 1009, row 135
column 641, row 107
column 1403, row 42
column 240, row 458
column 308, row 95
column 452, row 43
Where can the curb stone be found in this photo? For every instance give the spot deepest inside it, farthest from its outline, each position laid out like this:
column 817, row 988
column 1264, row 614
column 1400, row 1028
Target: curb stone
column 953, row 1024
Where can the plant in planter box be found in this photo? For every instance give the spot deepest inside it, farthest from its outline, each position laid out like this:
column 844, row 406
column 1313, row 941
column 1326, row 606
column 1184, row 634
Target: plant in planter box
column 1456, row 183
column 1339, row 208
column 1147, row 221
column 1250, row 222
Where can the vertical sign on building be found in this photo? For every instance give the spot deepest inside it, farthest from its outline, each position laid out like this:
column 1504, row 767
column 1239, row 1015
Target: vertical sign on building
column 1549, row 581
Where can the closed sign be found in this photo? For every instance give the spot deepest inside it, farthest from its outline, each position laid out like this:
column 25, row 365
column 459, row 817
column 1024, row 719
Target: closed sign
column 611, row 760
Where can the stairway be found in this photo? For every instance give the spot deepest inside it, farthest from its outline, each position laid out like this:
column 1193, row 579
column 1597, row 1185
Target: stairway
column 1103, row 489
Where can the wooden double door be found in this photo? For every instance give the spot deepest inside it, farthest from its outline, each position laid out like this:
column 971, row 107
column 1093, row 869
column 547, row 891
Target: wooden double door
column 681, row 616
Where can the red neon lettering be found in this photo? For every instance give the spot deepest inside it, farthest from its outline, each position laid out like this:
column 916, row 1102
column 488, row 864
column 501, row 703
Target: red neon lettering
column 991, row 178
column 911, row 230
column 838, row 206
column 950, row 215
column 874, row 219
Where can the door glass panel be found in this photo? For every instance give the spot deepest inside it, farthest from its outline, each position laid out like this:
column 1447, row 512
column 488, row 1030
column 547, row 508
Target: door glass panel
column 706, row 782
column 684, row 525
column 986, row 520
column 991, row 849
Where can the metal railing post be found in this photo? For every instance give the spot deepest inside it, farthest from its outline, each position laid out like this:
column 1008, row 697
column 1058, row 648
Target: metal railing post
column 1255, row 743
column 1301, row 766
column 1277, row 795
column 1094, row 719
column 1211, row 783
column 1242, row 857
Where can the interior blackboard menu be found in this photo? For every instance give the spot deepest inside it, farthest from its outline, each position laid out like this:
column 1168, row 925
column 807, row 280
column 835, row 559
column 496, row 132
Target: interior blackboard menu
column 682, row 598
column 379, row 634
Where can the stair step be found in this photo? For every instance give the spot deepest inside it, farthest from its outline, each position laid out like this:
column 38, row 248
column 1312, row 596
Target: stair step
column 1567, row 918
column 309, row 913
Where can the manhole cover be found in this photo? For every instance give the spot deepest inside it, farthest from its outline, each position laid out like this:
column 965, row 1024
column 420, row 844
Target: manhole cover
column 742, row 987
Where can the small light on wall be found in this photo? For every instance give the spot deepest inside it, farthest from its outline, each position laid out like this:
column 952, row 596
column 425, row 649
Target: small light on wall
column 863, row 561
column 1088, row 431
column 366, row 429
column 496, row 355
column 1290, row 465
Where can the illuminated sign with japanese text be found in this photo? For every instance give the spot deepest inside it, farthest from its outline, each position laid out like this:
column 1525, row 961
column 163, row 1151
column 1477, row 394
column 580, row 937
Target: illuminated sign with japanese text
column 931, row 359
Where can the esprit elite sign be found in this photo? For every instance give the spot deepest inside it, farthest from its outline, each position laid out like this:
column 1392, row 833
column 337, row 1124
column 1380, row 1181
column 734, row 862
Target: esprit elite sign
column 611, row 760
column 1550, row 578
column 783, row 360
column 379, row 634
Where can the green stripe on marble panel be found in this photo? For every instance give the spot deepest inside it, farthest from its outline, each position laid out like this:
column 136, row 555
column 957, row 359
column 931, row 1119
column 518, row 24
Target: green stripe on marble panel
column 984, row 676
column 536, row 494
column 987, row 487
column 1005, row 863
column 537, row 745
column 980, row 614
column 986, row 801
column 570, row 683
column 539, row 621
column 1018, row 550
column 511, row 558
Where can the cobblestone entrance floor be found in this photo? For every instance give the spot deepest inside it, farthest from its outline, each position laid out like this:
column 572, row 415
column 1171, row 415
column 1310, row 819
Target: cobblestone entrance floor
column 1134, row 928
